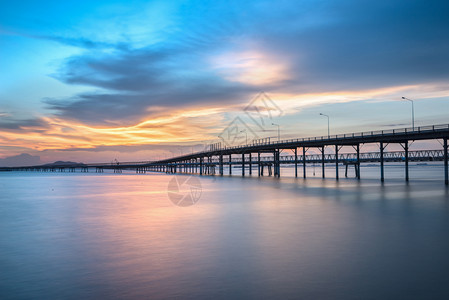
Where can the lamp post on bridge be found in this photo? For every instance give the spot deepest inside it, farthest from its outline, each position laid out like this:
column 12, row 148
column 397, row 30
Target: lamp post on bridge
column 328, row 128
column 279, row 131
column 413, row 111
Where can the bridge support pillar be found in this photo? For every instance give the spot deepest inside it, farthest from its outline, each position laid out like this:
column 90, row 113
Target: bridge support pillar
column 406, row 161
column 258, row 163
column 243, row 164
column 221, row 164
column 323, row 171
column 303, row 162
column 210, row 165
column 250, row 163
column 230, row 164
column 277, row 165
column 201, row 165
column 336, row 162
column 382, row 148
column 296, row 162
column 446, row 175
column 357, row 169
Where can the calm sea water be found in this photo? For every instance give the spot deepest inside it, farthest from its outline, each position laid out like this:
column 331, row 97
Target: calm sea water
column 93, row 236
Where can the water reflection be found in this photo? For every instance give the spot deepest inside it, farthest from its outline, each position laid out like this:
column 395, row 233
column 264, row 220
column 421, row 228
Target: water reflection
column 119, row 236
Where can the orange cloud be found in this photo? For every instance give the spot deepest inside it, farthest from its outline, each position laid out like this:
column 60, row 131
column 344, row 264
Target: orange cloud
column 184, row 127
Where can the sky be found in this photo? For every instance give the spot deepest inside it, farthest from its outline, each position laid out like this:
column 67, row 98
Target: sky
column 94, row 81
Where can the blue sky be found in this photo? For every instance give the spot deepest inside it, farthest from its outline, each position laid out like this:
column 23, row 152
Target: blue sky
column 95, row 80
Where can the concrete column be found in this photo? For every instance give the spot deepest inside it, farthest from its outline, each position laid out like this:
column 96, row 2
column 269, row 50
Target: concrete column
column 406, row 161
column 296, row 162
column 336, row 162
column 277, row 165
column 382, row 178
column 446, row 177
column 304, row 162
column 243, row 164
column 322, row 163
column 230, row 164
column 358, row 161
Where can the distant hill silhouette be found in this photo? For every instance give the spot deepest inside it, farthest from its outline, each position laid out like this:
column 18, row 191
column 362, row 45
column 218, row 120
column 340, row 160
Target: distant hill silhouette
column 65, row 163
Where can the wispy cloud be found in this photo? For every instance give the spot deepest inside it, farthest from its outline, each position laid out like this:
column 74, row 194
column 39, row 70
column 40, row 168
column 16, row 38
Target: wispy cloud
column 321, row 48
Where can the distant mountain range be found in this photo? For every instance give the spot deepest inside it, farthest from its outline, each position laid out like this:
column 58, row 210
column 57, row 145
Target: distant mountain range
column 65, row 163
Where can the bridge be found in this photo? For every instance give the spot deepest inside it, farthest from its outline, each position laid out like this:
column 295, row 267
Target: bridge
column 267, row 154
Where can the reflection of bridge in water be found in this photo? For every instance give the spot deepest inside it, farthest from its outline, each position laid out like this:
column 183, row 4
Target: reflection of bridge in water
column 268, row 155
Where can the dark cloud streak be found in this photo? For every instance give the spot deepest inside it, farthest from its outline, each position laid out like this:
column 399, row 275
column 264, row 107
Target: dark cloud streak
column 329, row 46
column 11, row 124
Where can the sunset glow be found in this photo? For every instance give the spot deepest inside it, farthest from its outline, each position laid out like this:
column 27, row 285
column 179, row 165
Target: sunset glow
column 166, row 80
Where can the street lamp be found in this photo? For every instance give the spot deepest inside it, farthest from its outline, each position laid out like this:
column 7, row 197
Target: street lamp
column 246, row 134
column 279, row 131
column 413, row 111
column 328, row 130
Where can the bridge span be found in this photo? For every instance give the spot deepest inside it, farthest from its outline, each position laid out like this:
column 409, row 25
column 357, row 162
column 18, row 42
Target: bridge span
column 268, row 155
